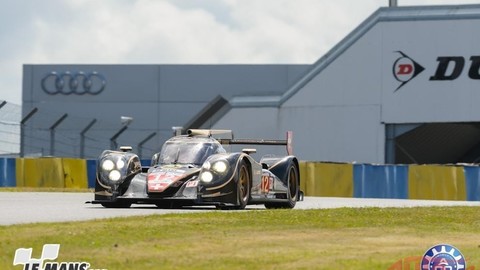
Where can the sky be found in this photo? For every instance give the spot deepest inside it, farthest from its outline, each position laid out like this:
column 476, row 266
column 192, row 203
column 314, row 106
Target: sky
column 174, row 32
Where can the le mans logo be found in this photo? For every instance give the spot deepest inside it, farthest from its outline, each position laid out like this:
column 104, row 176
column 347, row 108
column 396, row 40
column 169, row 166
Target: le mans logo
column 449, row 68
column 23, row 256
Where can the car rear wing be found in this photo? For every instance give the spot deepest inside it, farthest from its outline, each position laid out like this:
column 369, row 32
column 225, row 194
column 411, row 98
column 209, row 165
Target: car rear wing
column 287, row 142
column 209, row 132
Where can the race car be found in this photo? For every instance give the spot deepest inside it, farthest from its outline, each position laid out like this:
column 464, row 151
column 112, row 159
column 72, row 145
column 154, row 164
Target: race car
column 195, row 169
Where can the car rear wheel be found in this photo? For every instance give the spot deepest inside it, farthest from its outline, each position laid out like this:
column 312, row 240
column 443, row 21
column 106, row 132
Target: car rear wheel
column 292, row 190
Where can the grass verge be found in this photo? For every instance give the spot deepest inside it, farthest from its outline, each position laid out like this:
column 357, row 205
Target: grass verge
column 346, row 238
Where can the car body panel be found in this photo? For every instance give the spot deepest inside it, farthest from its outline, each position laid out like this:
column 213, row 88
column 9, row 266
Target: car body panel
column 195, row 169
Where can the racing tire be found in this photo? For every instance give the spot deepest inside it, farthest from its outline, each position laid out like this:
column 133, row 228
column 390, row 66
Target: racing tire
column 116, row 204
column 292, row 190
column 164, row 205
column 168, row 205
column 242, row 188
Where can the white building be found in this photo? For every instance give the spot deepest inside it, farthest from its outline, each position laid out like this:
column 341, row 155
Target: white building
column 403, row 87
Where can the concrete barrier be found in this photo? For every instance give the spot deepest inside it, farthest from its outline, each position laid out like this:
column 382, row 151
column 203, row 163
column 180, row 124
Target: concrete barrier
column 433, row 182
column 472, row 182
column 326, row 179
column 436, row 182
column 7, row 172
column 51, row 172
column 380, row 181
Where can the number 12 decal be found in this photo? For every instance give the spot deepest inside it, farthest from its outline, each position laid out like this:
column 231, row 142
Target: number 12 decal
column 266, row 183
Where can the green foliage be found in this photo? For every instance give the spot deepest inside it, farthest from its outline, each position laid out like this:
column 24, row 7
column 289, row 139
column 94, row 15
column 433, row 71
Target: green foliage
column 346, row 238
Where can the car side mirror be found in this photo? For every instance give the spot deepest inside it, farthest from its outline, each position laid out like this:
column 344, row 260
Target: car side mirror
column 155, row 158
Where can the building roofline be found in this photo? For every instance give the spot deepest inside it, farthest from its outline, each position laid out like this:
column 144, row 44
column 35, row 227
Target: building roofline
column 383, row 14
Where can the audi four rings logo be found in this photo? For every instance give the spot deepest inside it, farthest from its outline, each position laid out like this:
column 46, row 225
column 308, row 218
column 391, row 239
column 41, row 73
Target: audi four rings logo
column 77, row 83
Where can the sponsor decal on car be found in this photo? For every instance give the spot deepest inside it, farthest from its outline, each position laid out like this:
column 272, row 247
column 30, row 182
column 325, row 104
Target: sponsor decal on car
column 192, row 184
column 159, row 180
column 266, row 183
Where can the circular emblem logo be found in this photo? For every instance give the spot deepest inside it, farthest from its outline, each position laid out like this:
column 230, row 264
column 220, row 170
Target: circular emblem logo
column 443, row 257
column 404, row 69
column 77, row 83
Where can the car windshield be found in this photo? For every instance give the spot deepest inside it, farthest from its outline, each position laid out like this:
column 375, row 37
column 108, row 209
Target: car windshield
column 187, row 153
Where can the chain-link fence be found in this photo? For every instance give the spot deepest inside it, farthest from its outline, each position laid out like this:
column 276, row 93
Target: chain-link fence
column 49, row 133
column 10, row 116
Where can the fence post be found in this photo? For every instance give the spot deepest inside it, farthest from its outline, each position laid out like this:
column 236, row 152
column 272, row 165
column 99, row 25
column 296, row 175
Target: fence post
column 52, row 133
column 113, row 140
column 22, row 130
column 82, row 137
column 140, row 145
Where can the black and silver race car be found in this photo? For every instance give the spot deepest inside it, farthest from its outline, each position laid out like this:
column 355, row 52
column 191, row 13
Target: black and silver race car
column 195, row 169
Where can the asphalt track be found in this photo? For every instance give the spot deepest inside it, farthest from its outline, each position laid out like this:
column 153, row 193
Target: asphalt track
column 33, row 207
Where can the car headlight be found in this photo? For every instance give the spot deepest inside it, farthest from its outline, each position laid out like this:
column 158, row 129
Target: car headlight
column 113, row 168
column 114, row 175
column 108, row 165
column 220, row 166
column 206, row 165
column 206, row 177
column 120, row 163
